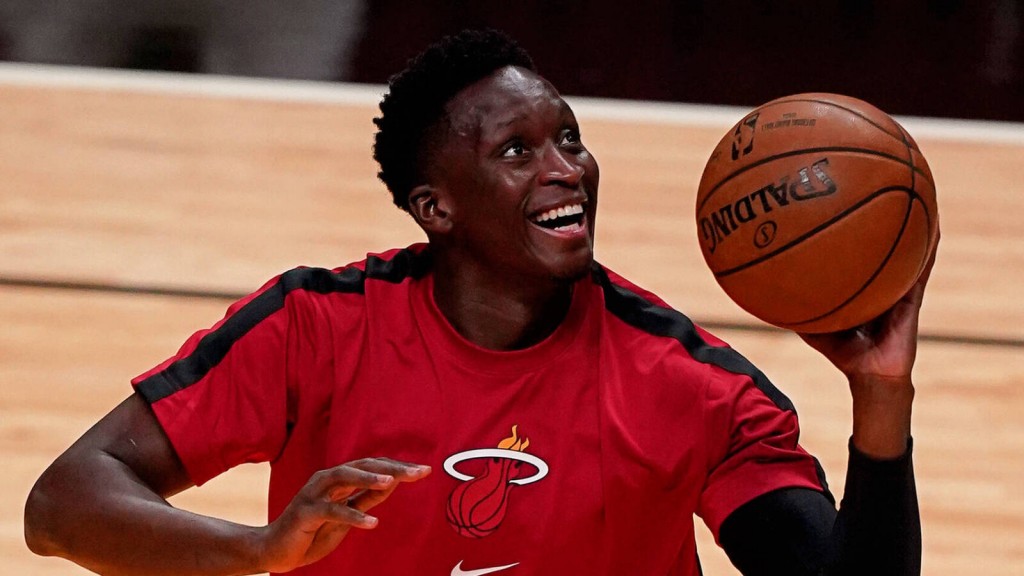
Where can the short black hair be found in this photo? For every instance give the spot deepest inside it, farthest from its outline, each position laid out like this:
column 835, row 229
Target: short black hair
column 417, row 97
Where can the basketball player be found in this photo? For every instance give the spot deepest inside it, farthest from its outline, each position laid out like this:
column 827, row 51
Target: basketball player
column 493, row 401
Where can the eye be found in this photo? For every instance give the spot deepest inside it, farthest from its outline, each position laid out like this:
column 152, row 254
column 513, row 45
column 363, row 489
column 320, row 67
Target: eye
column 570, row 137
column 514, row 149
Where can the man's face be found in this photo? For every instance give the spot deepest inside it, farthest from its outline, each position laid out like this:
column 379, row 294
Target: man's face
column 521, row 188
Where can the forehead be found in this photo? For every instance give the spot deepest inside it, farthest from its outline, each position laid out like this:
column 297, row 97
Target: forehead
column 499, row 100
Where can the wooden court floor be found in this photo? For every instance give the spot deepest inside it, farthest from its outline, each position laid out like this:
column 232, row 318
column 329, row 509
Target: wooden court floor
column 130, row 216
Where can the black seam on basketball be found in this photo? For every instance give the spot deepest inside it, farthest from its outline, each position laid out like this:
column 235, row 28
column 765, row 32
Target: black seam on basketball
column 910, row 156
column 878, row 270
column 913, row 178
column 896, row 137
column 909, row 191
column 819, row 150
column 913, row 182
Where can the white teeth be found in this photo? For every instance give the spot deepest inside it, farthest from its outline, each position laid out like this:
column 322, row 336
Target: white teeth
column 568, row 228
column 559, row 212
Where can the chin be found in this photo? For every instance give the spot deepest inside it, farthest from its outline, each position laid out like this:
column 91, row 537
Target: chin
column 571, row 278
column 573, row 268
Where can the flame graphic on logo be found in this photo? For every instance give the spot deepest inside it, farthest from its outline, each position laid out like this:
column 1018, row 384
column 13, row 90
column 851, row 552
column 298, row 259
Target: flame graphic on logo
column 513, row 442
column 477, row 506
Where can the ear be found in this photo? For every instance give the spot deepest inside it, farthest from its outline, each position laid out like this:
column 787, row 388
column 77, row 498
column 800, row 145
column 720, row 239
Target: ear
column 428, row 207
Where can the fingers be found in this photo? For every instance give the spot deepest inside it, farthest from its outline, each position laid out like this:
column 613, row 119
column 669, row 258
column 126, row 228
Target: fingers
column 364, row 501
column 341, row 481
column 371, row 474
column 353, row 488
column 347, row 513
column 332, row 502
column 927, row 271
column 401, row 471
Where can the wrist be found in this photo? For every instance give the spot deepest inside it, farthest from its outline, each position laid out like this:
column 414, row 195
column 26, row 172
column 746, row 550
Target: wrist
column 881, row 415
column 254, row 549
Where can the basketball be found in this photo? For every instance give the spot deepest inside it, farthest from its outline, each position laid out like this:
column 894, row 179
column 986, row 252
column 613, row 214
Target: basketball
column 816, row 212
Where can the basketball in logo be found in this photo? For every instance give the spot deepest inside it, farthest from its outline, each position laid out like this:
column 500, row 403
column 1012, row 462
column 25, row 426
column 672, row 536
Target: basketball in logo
column 477, row 506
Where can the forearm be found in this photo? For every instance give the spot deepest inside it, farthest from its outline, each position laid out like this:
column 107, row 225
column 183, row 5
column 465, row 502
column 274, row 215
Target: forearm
column 92, row 509
column 878, row 529
column 796, row 531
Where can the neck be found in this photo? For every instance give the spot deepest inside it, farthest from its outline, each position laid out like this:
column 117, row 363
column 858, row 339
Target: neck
column 499, row 313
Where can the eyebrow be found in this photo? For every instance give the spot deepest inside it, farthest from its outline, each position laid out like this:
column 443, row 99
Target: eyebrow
column 563, row 108
column 510, row 120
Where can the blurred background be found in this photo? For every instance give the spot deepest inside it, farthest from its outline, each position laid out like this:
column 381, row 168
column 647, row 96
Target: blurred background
column 947, row 58
column 135, row 206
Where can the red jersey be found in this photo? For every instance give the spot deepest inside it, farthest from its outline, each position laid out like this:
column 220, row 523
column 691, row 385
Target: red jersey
column 587, row 453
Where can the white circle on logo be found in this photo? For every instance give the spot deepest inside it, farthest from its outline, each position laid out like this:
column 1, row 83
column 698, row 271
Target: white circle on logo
column 540, row 465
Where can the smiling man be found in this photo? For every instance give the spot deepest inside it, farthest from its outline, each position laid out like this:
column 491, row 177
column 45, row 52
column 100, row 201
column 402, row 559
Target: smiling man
column 503, row 403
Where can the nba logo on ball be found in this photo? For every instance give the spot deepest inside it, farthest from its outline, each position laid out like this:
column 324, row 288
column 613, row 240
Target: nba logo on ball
column 743, row 136
column 826, row 222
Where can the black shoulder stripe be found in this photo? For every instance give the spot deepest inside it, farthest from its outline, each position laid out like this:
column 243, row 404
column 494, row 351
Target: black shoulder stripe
column 213, row 347
column 636, row 311
column 660, row 321
column 403, row 264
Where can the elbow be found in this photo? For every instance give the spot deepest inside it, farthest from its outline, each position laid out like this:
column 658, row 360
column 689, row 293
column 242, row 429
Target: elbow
column 40, row 519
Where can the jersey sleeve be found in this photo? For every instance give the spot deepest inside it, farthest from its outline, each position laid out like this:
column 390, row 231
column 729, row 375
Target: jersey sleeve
column 753, row 442
column 222, row 399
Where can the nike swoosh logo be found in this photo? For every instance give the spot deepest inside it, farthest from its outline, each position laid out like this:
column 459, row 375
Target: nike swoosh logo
column 458, row 571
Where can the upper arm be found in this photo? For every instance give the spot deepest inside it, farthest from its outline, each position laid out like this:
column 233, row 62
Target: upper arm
column 123, row 458
column 787, row 531
column 132, row 436
column 754, row 439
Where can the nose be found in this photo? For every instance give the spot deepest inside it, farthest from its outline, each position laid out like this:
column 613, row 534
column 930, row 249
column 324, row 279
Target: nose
column 560, row 167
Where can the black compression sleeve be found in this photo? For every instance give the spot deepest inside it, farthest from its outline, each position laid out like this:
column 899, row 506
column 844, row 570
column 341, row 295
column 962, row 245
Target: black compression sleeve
column 879, row 524
column 797, row 531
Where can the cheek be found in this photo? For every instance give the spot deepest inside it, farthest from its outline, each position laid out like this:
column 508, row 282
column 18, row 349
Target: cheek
column 495, row 212
column 506, row 196
column 592, row 172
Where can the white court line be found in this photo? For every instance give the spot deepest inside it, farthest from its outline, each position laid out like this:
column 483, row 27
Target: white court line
column 706, row 115
column 676, row 114
column 199, row 85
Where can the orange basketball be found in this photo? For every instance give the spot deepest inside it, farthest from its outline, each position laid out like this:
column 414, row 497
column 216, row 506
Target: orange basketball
column 816, row 212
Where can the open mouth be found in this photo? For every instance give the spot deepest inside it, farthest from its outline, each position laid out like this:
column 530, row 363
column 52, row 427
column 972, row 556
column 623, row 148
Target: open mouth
column 568, row 218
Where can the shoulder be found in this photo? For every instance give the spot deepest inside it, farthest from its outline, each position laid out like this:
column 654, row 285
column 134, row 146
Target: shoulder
column 657, row 328
column 647, row 312
column 391, row 267
column 310, row 292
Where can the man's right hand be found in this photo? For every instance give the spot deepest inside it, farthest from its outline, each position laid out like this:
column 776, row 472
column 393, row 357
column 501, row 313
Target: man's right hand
column 328, row 506
column 114, row 480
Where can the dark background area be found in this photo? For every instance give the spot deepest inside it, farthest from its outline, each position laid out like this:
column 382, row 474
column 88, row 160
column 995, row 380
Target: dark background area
column 945, row 58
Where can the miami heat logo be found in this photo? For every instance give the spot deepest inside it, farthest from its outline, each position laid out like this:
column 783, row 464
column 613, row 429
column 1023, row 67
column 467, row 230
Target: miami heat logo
column 477, row 506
